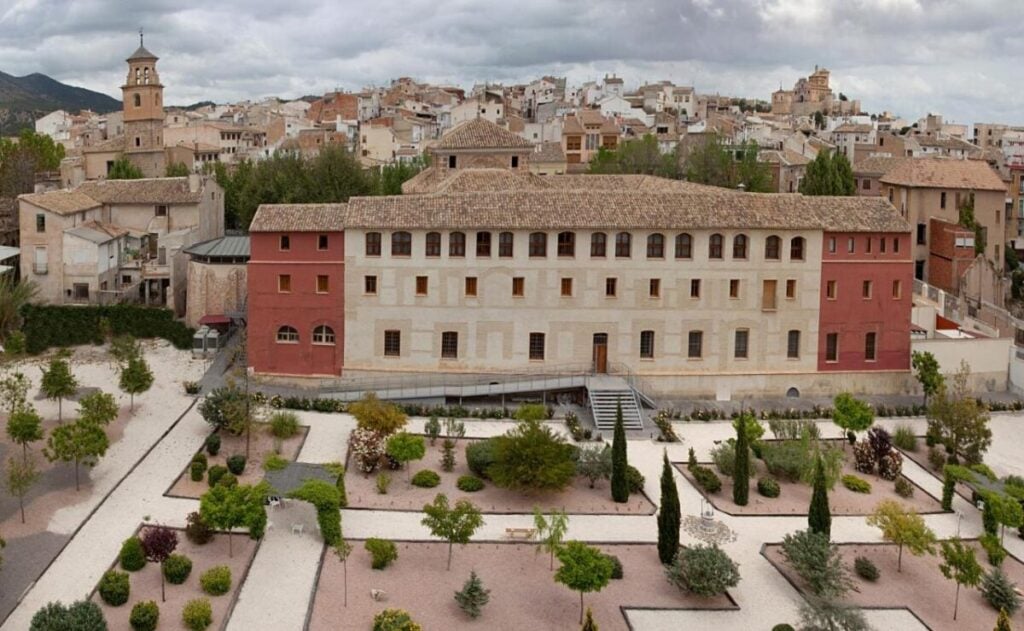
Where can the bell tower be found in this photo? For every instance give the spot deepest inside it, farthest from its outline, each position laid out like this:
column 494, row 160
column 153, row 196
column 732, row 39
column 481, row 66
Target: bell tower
column 143, row 106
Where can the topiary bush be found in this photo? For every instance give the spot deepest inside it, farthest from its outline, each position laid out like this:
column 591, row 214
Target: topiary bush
column 426, row 479
column 855, row 484
column 213, row 444
column 382, row 551
column 201, row 457
column 114, row 588
column 616, row 566
column 236, row 464
column 81, row 615
column 479, row 457
column 176, row 569
column 132, row 557
column 215, row 473
column 197, row 530
column 768, row 487
column 866, row 569
column 706, row 478
column 145, row 616
column 196, row 471
column 469, row 483
column 197, row 614
column 228, row 480
column 904, row 487
column 216, row 581
column 634, row 479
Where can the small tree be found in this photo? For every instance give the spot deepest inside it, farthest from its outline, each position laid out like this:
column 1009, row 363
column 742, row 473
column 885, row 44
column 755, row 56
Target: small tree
column 741, row 466
column 455, row 525
column 904, row 527
column 588, row 623
column 158, row 543
column 14, row 391
column 961, row 420
column 1003, row 621
column 584, row 569
column 432, row 428
column 342, row 550
column 98, row 407
column 620, row 486
column 819, row 517
column 405, row 448
column 550, row 532
column 58, row 383
column 81, row 442
column 703, row 570
column 594, row 463
column 926, row 369
column 959, row 564
column 669, row 514
column 851, row 414
column 376, row 415
column 23, row 427
column 473, row 596
column 123, row 348
column 136, row 378
column 21, row 475
column 1006, row 510
column 818, row 562
column 237, row 506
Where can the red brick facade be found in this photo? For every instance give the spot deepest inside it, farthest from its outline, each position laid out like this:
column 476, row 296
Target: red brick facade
column 950, row 253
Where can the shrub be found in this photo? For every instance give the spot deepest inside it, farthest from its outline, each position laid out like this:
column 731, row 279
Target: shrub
column 863, row 457
column 228, row 480
column 367, row 447
column 616, row 566
column 145, row 616
column 936, row 458
column 216, row 581
column 703, row 570
column 382, row 551
column 72, row 325
column 786, row 460
column 469, row 483
column 999, row 592
column 383, row 482
column 197, row 614
column 724, row 457
column 855, row 484
column 890, row 465
column 706, row 478
column 426, row 479
column 213, row 444
column 993, row 548
column 176, row 569
column 865, row 568
column 768, row 487
column 783, row 627
column 192, row 387
column 818, row 562
column 236, row 464
column 274, row 462
column 634, row 479
column 394, row 620
column 904, row 438
column 81, row 615
column 904, row 487
column 132, row 556
column 984, row 470
column 284, row 425
column 197, row 531
column 480, row 457
column 197, row 471
column 215, row 473
column 114, row 588
column 533, row 457
column 200, row 457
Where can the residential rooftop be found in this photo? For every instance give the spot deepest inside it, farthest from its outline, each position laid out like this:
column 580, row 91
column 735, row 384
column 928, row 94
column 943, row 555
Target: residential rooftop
column 944, row 173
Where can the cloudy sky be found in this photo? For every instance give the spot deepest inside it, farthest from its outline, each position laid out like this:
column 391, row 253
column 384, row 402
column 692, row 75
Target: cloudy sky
column 962, row 58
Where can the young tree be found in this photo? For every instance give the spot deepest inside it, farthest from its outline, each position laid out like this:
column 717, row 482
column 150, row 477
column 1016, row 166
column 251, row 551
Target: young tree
column 584, row 569
column 741, row 466
column 851, row 414
column 1003, row 621
column 818, row 562
column 58, row 383
column 961, row 420
column 620, row 486
column 23, row 427
column 588, row 623
column 14, row 391
column 432, row 428
column 99, row 408
column 342, row 550
column 158, row 543
column 960, row 565
column 703, row 570
column 136, row 378
column 233, row 507
column 926, row 369
column 21, row 475
column 829, row 173
column 80, row 442
column 123, row 348
column 1006, row 510
column 550, row 532
column 904, row 527
column 473, row 596
column 594, row 463
column 376, row 415
column 669, row 514
column 453, row 524
column 819, row 517
column 405, row 448
column 532, row 457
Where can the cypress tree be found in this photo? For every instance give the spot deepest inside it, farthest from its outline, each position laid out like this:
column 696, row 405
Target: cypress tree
column 669, row 515
column 741, row 468
column 1002, row 622
column 819, row 518
column 620, row 487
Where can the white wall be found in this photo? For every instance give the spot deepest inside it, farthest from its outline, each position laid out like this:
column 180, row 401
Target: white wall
column 988, row 358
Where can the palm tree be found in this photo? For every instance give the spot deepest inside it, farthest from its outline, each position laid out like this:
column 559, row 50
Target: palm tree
column 13, row 296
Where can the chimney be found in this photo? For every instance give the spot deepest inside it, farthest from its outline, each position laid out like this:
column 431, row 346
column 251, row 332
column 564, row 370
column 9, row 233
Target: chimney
column 194, row 182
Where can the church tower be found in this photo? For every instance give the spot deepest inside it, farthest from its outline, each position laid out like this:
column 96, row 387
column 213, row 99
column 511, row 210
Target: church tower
column 143, row 107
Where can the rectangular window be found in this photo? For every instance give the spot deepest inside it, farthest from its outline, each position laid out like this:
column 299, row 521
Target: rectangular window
column 372, row 244
column 161, row 211
column 869, row 346
column 851, row 245
column 392, row 343
column 768, row 295
column 695, row 345
column 457, row 244
column 471, row 285
column 537, row 346
column 740, row 347
column 566, row 244
column 610, row 287
column 647, row 344
column 518, row 284
column 505, row 242
column 896, row 244
column 655, row 288
column 921, row 234
column 897, row 289
column 830, row 290
column 370, row 285
column 323, row 284
column 881, row 245
column 793, row 345
column 284, row 283
column 865, row 291
column 734, row 288
column 832, row 347
column 483, row 244
column 421, row 285
column 695, row 288
column 285, row 243
column 790, row 289
column 449, row 345
column 321, row 242
column 832, row 245
column 40, row 222
column 867, row 184
column 942, row 199
column 538, row 245
column 867, row 247
column 567, row 287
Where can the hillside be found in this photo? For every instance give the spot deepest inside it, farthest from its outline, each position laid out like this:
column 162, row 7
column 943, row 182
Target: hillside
column 23, row 99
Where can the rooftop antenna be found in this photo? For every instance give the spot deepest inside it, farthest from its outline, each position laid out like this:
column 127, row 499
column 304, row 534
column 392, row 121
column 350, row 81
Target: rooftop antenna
column 140, row 36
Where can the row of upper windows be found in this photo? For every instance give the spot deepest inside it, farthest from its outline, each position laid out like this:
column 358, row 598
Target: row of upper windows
column 322, row 334
column 851, row 245
column 401, row 245
column 284, row 243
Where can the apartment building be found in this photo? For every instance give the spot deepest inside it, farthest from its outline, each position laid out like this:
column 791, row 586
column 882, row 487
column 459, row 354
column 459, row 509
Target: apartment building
column 584, row 134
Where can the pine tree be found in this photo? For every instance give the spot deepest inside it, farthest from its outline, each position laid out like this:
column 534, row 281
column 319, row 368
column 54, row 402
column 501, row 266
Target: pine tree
column 668, row 515
column 473, row 595
column 620, row 487
column 741, row 467
column 819, row 518
column 590, row 625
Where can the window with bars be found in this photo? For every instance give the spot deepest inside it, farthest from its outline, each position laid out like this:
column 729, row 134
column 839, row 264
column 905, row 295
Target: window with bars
column 401, row 244
column 433, row 245
column 536, row 346
column 457, row 244
column 793, row 345
column 695, row 345
column 869, row 346
column 684, row 246
column 796, row 248
column 505, row 243
column 656, row 246
column 741, row 343
column 392, row 343
column 623, row 245
column 566, row 244
column 538, row 245
column 772, row 247
column 372, row 244
column 598, row 245
column 739, row 246
column 715, row 247
column 483, row 244
column 647, row 344
column 449, row 345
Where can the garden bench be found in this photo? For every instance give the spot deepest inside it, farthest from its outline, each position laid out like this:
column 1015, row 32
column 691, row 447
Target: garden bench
column 520, row 533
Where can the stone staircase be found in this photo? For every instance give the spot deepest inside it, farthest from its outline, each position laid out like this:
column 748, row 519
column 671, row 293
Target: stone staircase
column 604, row 399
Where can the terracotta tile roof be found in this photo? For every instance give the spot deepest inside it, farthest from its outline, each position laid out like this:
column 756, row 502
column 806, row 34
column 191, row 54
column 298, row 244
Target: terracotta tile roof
column 877, row 165
column 480, row 133
column 497, row 180
column 162, row 190
column 548, row 152
column 113, row 144
column 62, row 202
column 299, row 218
column 945, row 173
column 97, row 232
column 852, row 128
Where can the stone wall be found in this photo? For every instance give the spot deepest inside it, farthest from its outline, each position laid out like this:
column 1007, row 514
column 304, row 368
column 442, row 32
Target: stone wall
column 214, row 289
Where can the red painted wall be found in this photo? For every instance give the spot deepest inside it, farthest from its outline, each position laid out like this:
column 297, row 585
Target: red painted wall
column 852, row 316
column 302, row 308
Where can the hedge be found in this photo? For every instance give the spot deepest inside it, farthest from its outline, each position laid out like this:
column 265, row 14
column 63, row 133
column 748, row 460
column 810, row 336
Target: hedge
column 71, row 325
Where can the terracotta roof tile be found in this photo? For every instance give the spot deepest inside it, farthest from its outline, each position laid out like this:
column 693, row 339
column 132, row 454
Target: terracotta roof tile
column 877, row 165
column 945, row 173
column 62, row 202
column 480, row 133
column 299, row 218
column 162, row 190
column 548, row 152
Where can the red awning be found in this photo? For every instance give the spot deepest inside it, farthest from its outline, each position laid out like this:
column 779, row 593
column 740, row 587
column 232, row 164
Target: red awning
column 209, row 320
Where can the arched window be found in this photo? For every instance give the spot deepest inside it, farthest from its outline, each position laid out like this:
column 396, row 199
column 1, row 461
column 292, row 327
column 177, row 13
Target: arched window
column 566, row 244
column 623, row 243
column 137, row 100
column 715, row 246
column 796, row 249
column 372, row 244
column 772, row 245
column 684, row 246
column 288, row 335
column 656, row 246
column 457, row 244
column 505, row 243
column 401, row 244
column 433, row 244
column 598, row 245
column 323, row 334
column 739, row 246
column 538, row 244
